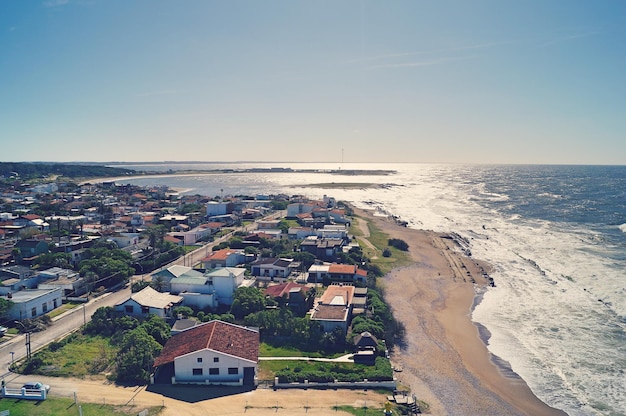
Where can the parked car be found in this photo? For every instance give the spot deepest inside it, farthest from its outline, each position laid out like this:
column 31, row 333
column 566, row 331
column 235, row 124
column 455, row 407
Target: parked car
column 3, row 330
column 36, row 385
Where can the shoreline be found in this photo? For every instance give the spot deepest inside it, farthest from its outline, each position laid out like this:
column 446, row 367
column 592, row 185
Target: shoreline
column 445, row 360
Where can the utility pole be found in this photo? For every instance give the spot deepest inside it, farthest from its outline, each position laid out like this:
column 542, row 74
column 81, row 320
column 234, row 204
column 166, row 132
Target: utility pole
column 28, row 345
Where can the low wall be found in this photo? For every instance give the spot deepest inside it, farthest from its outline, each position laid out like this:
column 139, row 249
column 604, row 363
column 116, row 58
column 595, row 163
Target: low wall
column 365, row 384
column 24, row 394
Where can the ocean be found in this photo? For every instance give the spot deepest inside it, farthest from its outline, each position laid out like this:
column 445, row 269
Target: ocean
column 555, row 235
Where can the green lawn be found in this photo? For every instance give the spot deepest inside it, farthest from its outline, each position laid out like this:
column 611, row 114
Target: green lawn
column 266, row 350
column 63, row 308
column 57, row 407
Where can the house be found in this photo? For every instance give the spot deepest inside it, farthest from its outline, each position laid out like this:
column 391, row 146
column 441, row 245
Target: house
column 196, row 289
column 273, row 267
column 225, row 281
column 214, row 208
column 216, row 353
column 298, row 297
column 149, row 301
column 300, row 233
column 163, row 277
column 174, row 240
column 336, row 272
column 31, row 248
column 226, row 257
column 323, row 248
column 68, row 280
column 346, row 273
column 16, row 278
column 126, row 239
column 31, row 303
column 334, row 309
column 332, row 231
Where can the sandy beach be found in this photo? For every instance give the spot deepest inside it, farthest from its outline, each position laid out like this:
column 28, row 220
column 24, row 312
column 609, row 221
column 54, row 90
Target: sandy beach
column 444, row 361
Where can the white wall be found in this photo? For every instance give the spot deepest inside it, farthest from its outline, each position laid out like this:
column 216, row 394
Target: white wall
column 184, row 365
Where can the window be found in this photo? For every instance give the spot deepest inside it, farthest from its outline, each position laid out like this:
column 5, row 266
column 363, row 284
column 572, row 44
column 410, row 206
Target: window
column 197, row 371
column 199, row 359
column 233, row 370
column 44, row 307
column 214, row 371
column 54, row 303
column 33, row 312
column 144, row 309
column 128, row 308
column 216, row 359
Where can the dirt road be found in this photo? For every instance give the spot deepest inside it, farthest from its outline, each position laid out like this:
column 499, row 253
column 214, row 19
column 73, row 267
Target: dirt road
column 203, row 401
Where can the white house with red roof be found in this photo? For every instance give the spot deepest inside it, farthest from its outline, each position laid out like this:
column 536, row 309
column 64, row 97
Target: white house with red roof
column 212, row 353
column 226, row 257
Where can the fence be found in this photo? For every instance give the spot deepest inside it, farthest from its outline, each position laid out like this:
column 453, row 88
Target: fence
column 24, row 394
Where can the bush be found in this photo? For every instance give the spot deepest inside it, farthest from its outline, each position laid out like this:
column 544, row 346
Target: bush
column 386, row 253
column 399, row 244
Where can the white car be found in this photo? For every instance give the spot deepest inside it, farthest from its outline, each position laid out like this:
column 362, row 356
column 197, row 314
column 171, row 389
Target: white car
column 3, row 330
column 36, row 385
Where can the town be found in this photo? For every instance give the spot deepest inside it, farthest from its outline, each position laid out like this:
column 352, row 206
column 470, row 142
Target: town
column 222, row 289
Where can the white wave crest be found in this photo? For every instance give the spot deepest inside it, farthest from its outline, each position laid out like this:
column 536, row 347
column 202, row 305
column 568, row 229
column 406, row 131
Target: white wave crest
column 622, row 228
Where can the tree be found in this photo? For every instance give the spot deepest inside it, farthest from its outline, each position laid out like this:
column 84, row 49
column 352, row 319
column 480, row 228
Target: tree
column 5, row 305
column 136, row 356
column 247, row 300
column 155, row 235
column 184, row 311
column 102, row 322
column 157, row 328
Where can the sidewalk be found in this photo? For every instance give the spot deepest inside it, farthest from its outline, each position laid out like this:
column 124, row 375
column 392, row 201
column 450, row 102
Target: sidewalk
column 348, row 358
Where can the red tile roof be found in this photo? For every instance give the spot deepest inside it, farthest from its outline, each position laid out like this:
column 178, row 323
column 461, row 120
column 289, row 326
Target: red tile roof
column 218, row 336
column 341, row 268
column 277, row 291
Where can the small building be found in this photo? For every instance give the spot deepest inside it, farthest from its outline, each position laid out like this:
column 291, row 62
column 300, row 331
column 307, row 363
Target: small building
column 31, row 303
column 196, row 289
column 297, row 297
column 334, row 309
column 272, row 267
column 226, row 257
column 69, row 281
column 149, row 301
column 323, row 248
column 214, row 353
column 366, row 345
column 225, row 281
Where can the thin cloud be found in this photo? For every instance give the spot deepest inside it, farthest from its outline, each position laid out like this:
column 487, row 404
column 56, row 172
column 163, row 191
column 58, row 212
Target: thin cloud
column 427, row 62
column 571, row 37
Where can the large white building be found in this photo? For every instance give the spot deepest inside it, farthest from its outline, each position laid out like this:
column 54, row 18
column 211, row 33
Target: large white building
column 212, row 353
column 31, row 303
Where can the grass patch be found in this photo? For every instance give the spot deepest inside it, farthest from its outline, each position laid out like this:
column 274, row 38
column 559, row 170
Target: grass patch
column 61, row 406
column 63, row 308
column 364, row 411
column 266, row 350
column 380, row 240
column 77, row 355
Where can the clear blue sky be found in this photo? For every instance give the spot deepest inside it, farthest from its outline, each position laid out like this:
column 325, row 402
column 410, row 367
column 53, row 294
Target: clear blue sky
column 491, row 81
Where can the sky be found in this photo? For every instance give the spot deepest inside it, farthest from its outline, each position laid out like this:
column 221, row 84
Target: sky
column 415, row 81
